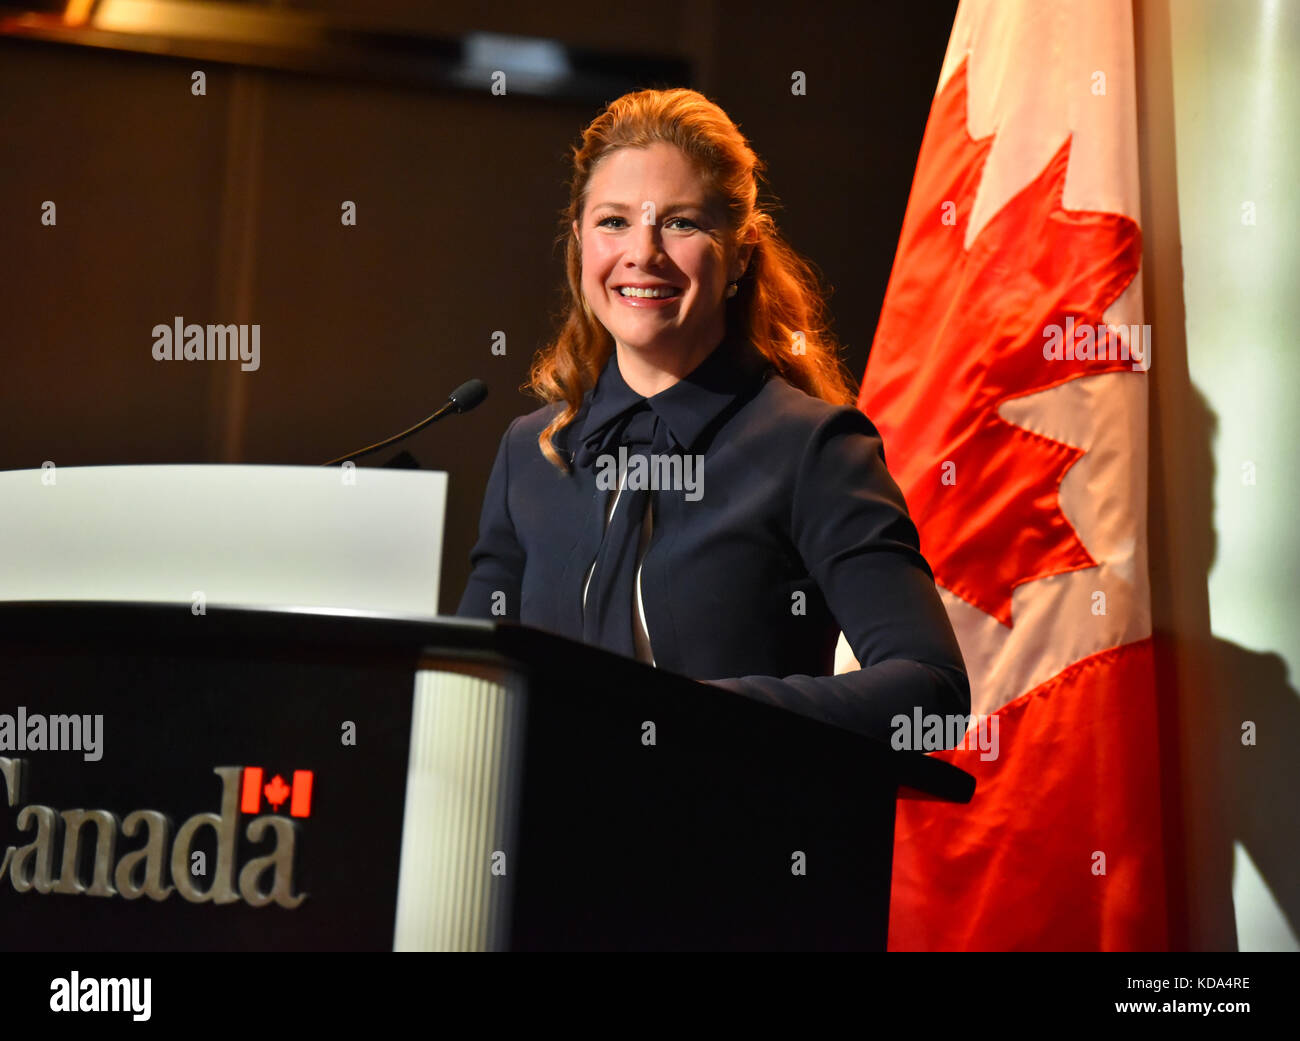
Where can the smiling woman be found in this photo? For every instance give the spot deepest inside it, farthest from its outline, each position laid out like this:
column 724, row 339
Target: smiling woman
column 656, row 256
column 694, row 332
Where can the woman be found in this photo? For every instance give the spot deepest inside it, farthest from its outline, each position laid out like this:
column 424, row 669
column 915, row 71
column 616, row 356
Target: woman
column 698, row 490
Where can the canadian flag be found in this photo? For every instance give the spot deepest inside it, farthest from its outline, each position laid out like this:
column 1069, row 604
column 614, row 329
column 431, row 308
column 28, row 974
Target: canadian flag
column 298, row 793
column 1008, row 378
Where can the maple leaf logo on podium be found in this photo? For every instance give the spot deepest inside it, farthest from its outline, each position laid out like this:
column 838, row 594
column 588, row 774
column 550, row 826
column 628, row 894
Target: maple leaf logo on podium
column 276, row 792
column 298, row 793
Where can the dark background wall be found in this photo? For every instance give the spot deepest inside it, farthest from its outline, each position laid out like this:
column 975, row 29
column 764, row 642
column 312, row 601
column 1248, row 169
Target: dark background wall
column 226, row 208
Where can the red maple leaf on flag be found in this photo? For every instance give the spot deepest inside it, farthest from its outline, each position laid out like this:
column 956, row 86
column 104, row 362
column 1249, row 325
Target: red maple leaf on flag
column 961, row 332
column 276, row 792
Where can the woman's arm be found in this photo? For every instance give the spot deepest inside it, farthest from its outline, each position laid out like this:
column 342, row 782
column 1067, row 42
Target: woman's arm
column 851, row 527
column 497, row 559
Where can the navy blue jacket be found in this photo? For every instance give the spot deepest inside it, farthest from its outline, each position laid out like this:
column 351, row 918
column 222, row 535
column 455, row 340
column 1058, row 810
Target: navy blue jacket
column 796, row 500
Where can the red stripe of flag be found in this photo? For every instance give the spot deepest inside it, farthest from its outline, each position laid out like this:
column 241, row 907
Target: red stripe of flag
column 300, row 803
column 251, row 800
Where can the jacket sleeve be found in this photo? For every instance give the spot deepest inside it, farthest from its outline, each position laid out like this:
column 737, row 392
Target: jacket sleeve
column 497, row 559
column 851, row 527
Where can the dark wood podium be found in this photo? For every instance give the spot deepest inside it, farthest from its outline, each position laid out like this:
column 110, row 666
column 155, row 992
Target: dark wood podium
column 302, row 781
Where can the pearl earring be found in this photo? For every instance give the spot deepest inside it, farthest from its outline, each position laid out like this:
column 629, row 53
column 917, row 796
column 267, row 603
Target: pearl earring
column 732, row 289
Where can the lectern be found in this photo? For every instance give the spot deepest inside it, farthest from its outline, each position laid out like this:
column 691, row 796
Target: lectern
column 215, row 776
column 296, row 780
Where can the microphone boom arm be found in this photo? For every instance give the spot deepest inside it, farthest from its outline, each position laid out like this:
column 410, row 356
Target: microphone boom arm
column 465, row 397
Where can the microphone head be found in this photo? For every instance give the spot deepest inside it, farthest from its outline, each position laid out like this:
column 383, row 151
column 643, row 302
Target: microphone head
column 468, row 395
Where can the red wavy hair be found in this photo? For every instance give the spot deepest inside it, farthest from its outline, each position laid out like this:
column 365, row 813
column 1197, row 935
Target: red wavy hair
column 780, row 305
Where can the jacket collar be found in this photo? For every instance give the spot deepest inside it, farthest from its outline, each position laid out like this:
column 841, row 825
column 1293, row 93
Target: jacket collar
column 689, row 406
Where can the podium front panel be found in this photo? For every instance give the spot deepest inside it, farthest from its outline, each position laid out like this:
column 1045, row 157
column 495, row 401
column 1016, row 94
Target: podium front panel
column 208, row 795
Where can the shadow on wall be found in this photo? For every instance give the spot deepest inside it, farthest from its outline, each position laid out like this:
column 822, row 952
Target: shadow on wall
column 1240, row 726
column 1229, row 715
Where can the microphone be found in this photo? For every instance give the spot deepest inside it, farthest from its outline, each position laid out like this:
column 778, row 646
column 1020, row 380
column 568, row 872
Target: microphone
column 468, row 395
